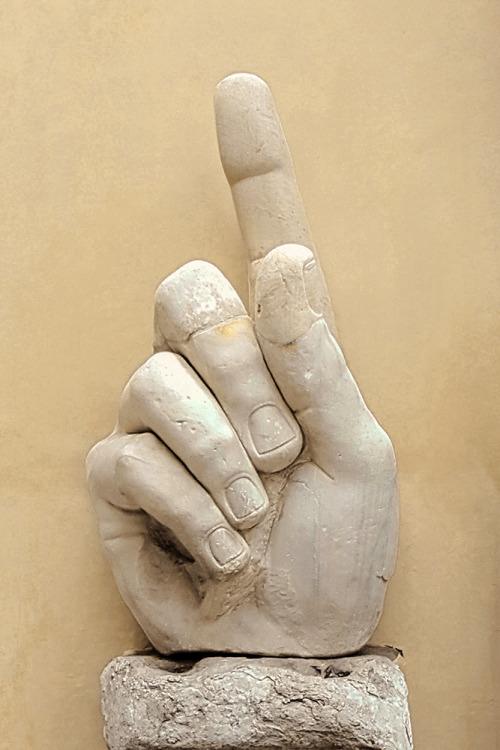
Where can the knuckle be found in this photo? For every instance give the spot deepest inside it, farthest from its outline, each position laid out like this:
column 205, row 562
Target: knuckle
column 140, row 380
column 133, row 458
column 194, row 297
column 99, row 468
column 126, row 468
column 146, row 378
column 117, row 465
column 162, row 295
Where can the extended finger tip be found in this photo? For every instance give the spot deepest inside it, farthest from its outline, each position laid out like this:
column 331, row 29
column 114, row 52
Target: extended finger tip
column 242, row 89
column 251, row 141
column 239, row 80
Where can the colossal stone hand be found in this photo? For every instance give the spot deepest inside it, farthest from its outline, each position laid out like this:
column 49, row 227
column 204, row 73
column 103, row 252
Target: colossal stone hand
column 247, row 497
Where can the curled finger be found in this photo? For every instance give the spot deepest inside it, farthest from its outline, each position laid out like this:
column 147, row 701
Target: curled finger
column 137, row 472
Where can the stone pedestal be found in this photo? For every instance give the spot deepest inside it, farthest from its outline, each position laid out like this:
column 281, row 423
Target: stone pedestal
column 221, row 703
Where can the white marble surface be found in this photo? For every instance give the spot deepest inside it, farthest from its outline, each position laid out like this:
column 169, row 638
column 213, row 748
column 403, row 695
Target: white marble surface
column 247, row 497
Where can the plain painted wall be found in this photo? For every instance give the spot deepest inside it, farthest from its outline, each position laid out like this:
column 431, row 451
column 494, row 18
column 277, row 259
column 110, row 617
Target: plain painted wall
column 111, row 180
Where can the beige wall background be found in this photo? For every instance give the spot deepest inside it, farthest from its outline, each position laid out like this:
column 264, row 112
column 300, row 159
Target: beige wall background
column 111, row 180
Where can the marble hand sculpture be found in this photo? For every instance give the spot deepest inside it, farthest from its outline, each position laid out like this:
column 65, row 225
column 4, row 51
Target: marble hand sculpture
column 247, row 497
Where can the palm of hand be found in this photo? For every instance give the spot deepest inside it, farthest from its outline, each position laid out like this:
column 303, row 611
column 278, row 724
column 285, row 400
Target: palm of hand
column 280, row 547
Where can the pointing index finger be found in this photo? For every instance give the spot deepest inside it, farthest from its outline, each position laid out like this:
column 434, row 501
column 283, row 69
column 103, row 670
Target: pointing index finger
column 258, row 165
column 259, row 168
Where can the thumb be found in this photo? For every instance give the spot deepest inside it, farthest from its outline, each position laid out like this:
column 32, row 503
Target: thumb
column 306, row 362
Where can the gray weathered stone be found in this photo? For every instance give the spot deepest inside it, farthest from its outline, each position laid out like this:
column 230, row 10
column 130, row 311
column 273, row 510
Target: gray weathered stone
column 219, row 703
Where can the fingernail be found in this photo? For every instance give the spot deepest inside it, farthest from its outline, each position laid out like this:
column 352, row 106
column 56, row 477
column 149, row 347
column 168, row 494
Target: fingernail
column 225, row 545
column 269, row 429
column 244, row 498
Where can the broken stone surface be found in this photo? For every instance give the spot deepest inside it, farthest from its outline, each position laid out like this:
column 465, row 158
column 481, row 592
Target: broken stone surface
column 221, row 703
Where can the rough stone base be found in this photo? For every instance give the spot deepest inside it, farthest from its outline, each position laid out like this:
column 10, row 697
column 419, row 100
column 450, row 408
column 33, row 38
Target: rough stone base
column 221, row 703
